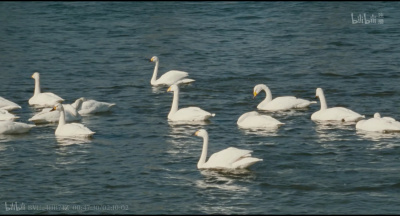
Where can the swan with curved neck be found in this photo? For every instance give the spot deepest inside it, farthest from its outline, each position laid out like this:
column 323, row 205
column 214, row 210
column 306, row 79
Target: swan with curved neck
column 334, row 113
column 45, row 99
column 188, row 113
column 169, row 78
column 379, row 124
column 70, row 111
column 230, row 158
column 279, row 103
column 71, row 129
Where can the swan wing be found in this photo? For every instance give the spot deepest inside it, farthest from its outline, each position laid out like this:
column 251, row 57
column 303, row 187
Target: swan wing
column 45, row 99
column 171, row 77
column 225, row 158
column 74, row 129
column 191, row 114
column 255, row 120
column 286, row 102
column 92, row 106
column 245, row 162
column 8, row 105
column 10, row 127
column 377, row 124
column 336, row 114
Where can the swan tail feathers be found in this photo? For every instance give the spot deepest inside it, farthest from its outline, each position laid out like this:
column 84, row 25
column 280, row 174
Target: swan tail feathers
column 184, row 81
column 313, row 102
column 212, row 114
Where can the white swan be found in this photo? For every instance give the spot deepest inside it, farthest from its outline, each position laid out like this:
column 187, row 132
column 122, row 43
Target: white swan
column 10, row 127
column 334, row 113
column 71, row 114
column 279, row 103
column 5, row 115
column 170, row 77
column 231, row 158
column 45, row 99
column 185, row 114
column 71, row 129
column 378, row 124
column 255, row 120
column 8, row 105
column 92, row 106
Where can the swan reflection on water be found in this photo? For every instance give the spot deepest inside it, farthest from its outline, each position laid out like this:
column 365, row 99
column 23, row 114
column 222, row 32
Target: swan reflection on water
column 73, row 140
column 332, row 130
column 225, row 179
column 376, row 136
column 260, row 131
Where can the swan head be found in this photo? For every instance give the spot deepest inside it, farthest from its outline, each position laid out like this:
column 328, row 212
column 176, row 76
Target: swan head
column 154, row 59
column 258, row 88
column 201, row 133
column 58, row 107
column 377, row 115
column 173, row 88
column 319, row 93
column 35, row 75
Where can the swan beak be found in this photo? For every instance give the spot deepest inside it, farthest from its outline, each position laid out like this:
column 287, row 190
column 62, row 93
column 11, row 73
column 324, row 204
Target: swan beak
column 255, row 94
column 195, row 133
column 54, row 108
column 169, row 89
column 151, row 60
column 32, row 76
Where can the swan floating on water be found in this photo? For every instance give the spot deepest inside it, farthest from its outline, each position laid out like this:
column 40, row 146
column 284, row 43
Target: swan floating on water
column 334, row 113
column 71, row 113
column 93, row 106
column 230, row 158
column 170, row 77
column 5, row 115
column 279, row 103
column 8, row 105
column 71, row 129
column 255, row 120
column 188, row 113
column 45, row 99
column 378, row 124
column 10, row 127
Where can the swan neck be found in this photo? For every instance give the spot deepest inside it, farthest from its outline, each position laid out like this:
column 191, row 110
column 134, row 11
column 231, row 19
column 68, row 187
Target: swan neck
column 268, row 94
column 61, row 121
column 37, row 86
column 154, row 78
column 175, row 102
column 322, row 100
column 203, row 156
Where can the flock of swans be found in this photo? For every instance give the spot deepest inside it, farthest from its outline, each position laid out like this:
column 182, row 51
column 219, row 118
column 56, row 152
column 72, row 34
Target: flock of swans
column 65, row 114
column 233, row 158
column 230, row 158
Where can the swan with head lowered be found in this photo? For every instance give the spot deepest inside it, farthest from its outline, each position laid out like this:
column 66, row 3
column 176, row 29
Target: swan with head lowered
column 10, row 127
column 45, row 99
column 170, row 77
column 230, row 158
column 5, row 115
column 71, row 113
column 71, row 129
column 255, row 120
column 279, row 103
column 379, row 124
column 92, row 106
column 188, row 113
column 334, row 113
column 8, row 105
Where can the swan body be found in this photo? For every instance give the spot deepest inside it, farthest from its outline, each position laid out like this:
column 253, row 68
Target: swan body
column 279, row 103
column 92, row 106
column 45, row 99
column 169, row 78
column 334, row 113
column 8, row 105
column 71, row 114
column 230, row 158
column 255, row 120
column 188, row 113
column 71, row 129
column 5, row 115
column 10, row 127
column 378, row 124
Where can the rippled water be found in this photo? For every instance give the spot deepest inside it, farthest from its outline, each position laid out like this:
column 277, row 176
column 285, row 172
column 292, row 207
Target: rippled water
column 101, row 50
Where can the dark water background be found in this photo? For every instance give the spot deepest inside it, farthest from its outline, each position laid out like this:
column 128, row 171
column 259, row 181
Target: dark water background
column 100, row 50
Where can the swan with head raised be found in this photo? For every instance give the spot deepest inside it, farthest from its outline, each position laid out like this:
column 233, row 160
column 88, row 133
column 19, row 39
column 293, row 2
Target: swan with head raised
column 230, row 158
column 334, row 113
column 279, row 103
column 188, row 113
column 170, row 77
column 71, row 129
column 45, row 99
